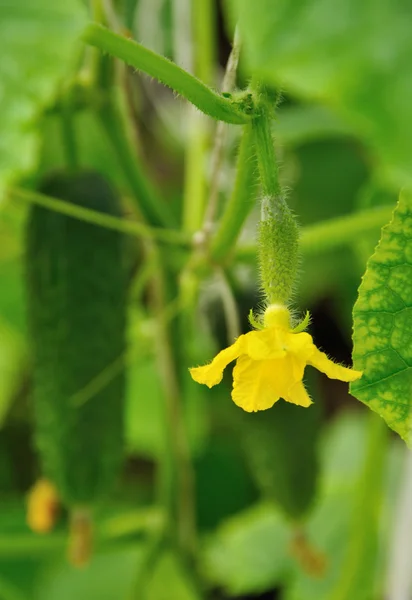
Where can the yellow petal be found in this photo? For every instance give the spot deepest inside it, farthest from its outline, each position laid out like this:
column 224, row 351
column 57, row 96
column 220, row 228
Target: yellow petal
column 298, row 395
column 331, row 369
column 254, row 384
column 300, row 345
column 212, row 373
column 266, row 344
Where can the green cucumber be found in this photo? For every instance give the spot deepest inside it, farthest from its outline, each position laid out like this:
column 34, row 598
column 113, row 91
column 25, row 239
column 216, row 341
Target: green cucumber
column 76, row 298
column 280, row 447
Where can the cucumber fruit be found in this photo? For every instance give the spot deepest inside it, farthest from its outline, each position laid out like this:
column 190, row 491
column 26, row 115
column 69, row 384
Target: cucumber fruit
column 280, row 448
column 76, row 295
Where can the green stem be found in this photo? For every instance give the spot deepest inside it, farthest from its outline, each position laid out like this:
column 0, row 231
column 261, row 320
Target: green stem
column 241, row 200
column 333, row 233
column 343, row 230
column 101, row 219
column 153, row 210
column 229, row 81
column 194, row 193
column 177, row 464
column 198, row 137
column 265, row 151
column 159, row 67
column 204, row 42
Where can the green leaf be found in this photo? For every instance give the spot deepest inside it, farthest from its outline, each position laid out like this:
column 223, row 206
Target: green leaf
column 145, row 434
column 329, row 527
column 37, row 39
column 109, row 575
column 12, row 357
column 383, row 325
column 248, row 553
column 352, row 56
column 170, row 581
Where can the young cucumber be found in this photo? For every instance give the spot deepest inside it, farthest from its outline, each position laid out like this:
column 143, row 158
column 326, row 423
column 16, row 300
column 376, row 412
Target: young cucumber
column 76, row 295
column 280, row 448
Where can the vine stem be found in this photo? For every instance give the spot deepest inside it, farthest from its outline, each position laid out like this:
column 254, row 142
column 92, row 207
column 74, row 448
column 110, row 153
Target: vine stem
column 228, row 84
column 198, row 130
column 170, row 74
column 149, row 203
column 168, row 236
column 229, row 307
column 269, row 175
column 241, row 200
column 177, row 466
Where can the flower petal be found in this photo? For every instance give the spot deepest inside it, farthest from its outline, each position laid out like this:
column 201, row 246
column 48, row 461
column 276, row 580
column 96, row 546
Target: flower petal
column 266, row 344
column 254, row 384
column 319, row 360
column 300, row 345
column 212, row 373
column 298, row 395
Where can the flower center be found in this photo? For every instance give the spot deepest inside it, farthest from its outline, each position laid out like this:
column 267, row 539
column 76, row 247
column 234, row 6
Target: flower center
column 277, row 315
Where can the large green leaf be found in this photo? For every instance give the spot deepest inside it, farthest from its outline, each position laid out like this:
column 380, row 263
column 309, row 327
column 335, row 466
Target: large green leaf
column 249, row 552
column 170, row 580
column 109, row 575
column 353, row 56
column 329, row 528
column 383, row 325
column 37, row 38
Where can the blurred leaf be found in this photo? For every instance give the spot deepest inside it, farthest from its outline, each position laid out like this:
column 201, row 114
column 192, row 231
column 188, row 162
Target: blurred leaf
column 170, row 581
column 12, row 306
column 305, row 123
column 251, row 552
column 383, row 325
column 10, row 592
column 328, row 529
column 109, row 575
column 95, row 151
column 370, row 195
column 12, row 224
column 223, row 485
column 354, row 57
column 145, row 411
column 248, row 553
column 329, row 176
column 38, row 39
column 12, row 361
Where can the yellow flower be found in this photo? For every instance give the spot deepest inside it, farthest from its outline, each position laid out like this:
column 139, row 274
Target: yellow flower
column 270, row 364
column 42, row 507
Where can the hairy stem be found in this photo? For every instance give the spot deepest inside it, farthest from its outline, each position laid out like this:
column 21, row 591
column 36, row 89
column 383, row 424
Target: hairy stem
column 269, row 175
column 159, row 67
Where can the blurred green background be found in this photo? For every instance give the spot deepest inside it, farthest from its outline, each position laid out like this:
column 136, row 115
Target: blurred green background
column 333, row 481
